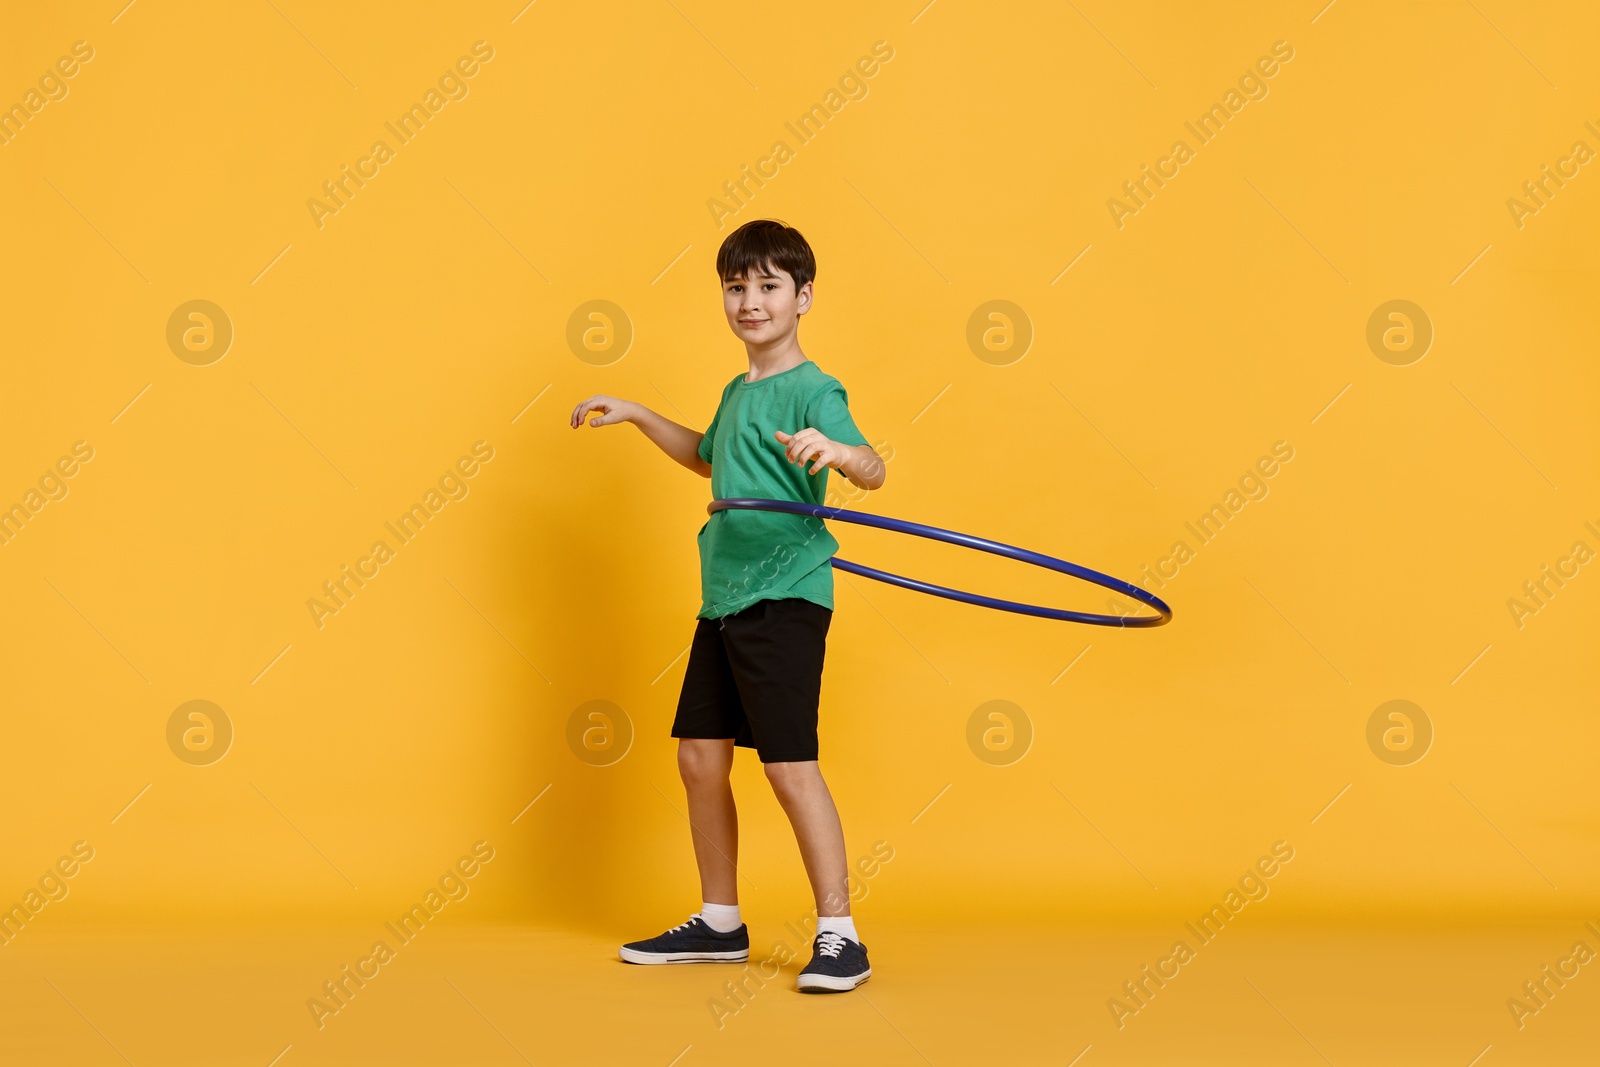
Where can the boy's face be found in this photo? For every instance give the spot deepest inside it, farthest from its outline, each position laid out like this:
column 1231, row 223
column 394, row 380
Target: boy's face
column 763, row 306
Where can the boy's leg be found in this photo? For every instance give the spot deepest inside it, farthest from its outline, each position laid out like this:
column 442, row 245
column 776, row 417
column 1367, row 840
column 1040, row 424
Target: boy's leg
column 805, row 799
column 705, row 764
column 838, row 959
column 776, row 654
column 708, row 724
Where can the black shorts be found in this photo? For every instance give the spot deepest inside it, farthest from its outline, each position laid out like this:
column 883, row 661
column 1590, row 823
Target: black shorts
column 756, row 676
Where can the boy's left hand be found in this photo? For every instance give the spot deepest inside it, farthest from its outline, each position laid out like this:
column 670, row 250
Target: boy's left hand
column 809, row 445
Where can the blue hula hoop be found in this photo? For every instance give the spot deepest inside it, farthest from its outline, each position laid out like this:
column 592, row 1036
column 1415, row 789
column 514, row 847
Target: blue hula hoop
column 1037, row 559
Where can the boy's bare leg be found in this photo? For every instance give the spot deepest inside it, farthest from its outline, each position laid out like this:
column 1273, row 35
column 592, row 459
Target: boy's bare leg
column 704, row 764
column 805, row 799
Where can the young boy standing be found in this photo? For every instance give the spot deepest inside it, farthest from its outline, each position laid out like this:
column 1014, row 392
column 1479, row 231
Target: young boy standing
column 755, row 665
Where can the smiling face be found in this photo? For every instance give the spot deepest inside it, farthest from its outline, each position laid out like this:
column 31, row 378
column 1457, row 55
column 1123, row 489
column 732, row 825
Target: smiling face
column 763, row 307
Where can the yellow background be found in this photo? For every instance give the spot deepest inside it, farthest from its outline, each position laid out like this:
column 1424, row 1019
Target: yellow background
column 432, row 309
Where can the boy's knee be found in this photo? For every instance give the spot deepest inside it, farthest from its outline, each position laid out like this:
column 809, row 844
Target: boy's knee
column 701, row 761
column 787, row 778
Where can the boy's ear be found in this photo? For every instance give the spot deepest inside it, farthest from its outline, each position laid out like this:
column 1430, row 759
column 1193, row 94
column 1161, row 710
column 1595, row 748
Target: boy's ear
column 803, row 299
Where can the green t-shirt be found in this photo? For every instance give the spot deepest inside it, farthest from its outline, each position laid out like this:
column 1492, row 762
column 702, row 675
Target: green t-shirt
column 746, row 556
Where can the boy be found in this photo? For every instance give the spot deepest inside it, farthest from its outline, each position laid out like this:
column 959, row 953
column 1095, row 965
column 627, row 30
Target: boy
column 755, row 664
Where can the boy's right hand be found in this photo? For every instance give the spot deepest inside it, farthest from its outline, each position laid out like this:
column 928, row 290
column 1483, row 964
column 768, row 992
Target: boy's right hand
column 612, row 410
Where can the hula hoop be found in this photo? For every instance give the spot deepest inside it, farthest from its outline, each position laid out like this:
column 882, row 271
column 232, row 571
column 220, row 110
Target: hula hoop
column 1037, row 559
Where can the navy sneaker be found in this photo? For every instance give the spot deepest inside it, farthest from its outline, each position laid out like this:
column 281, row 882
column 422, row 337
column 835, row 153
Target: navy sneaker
column 691, row 942
column 838, row 964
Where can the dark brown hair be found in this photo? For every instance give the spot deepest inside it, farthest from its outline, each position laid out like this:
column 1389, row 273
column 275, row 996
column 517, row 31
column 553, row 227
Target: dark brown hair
column 764, row 244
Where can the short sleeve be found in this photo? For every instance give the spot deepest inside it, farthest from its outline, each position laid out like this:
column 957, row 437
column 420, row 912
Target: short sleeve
column 708, row 441
column 710, row 437
column 829, row 413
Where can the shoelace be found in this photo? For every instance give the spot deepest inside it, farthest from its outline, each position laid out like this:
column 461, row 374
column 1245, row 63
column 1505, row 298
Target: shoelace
column 683, row 925
column 830, row 943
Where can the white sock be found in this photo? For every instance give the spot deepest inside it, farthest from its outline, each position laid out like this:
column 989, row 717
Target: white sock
column 839, row 924
column 723, row 918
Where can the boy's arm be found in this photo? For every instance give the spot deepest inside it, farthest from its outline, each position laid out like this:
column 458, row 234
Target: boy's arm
column 865, row 468
column 680, row 442
column 859, row 463
column 828, row 413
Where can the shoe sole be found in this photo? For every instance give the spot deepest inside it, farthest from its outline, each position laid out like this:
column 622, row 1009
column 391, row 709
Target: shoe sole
column 633, row 955
column 824, row 983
